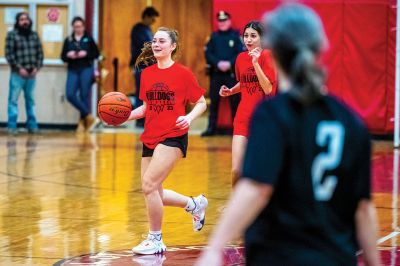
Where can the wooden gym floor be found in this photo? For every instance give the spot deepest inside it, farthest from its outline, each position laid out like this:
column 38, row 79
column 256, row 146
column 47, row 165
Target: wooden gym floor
column 64, row 195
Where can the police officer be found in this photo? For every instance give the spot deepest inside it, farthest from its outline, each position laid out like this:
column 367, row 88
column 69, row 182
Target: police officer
column 221, row 52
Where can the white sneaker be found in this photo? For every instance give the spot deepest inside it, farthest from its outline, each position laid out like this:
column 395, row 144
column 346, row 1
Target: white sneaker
column 150, row 246
column 199, row 212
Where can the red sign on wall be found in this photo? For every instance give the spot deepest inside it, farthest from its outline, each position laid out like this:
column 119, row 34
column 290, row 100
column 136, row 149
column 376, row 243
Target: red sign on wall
column 53, row 14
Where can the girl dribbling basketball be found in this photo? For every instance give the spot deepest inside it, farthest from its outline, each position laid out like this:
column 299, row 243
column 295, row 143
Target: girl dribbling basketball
column 256, row 74
column 166, row 88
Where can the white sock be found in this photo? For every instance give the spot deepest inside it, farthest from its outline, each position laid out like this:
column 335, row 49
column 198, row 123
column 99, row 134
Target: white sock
column 157, row 234
column 190, row 206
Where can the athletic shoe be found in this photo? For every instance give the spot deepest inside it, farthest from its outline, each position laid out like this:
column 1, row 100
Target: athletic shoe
column 199, row 212
column 149, row 260
column 91, row 123
column 150, row 246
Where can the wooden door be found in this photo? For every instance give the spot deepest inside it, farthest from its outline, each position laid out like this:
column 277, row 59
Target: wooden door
column 192, row 18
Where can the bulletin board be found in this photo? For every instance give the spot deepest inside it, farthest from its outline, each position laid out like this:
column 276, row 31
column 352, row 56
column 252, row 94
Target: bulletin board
column 51, row 20
column 52, row 27
column 7, row 20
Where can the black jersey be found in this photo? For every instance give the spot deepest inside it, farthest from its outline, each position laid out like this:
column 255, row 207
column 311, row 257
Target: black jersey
column 317, row 158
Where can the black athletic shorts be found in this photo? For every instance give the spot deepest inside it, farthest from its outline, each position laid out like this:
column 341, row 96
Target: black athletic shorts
column 180, row 142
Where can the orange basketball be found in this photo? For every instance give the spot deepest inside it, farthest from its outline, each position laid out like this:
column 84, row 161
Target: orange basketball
column 114, row 108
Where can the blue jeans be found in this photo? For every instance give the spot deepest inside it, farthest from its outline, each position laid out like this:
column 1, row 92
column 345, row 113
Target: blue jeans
column 18, row 84
column 79, row 84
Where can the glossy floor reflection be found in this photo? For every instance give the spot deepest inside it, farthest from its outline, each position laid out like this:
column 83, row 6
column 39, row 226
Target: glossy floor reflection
column 64, row 195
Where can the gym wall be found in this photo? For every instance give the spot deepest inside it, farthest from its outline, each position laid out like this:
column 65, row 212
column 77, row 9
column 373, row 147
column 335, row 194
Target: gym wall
column 361, row 57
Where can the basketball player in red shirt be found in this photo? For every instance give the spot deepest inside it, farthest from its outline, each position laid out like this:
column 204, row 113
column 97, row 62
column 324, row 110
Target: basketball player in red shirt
column 166, row 88
column 256, row 74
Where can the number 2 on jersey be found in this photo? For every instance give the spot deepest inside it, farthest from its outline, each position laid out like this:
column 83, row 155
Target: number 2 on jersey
column 330, row 134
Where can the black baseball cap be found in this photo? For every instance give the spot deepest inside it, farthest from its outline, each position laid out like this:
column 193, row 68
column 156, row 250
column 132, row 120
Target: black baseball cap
column 223, row 15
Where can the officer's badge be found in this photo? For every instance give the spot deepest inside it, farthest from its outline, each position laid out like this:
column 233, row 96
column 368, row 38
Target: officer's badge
column 231, row 43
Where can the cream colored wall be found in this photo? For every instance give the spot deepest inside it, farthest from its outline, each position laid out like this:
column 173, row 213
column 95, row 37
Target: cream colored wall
column 50, row 99
column 51, row 104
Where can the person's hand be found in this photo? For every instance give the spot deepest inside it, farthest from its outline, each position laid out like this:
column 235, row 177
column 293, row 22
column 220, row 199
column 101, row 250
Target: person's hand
column 224, row 66
column 34, row 72
column 255, row 54
column 183, row 122
column 210, row 258
column 71, row 54
column 23, row 72
column 225, row 91
column 82, row 53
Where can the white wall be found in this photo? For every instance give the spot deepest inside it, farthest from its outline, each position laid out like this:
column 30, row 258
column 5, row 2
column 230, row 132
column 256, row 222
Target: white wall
column 51, row 104
column 79, row 8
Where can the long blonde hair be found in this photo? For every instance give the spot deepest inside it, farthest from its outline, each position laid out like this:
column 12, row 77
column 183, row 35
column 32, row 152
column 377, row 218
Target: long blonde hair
column 147, row 56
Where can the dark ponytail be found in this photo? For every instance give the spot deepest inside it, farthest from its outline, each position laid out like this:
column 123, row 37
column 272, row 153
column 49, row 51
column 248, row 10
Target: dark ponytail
column 296, row 38
column 308, row 78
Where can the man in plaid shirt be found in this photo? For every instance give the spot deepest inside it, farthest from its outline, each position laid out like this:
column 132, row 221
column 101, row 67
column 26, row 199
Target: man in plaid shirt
column 24, row 54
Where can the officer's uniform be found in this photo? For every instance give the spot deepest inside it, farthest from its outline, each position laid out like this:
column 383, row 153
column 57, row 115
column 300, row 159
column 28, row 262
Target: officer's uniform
column 222, row 46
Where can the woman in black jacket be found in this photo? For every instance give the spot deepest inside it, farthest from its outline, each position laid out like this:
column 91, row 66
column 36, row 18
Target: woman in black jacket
column 79, row 52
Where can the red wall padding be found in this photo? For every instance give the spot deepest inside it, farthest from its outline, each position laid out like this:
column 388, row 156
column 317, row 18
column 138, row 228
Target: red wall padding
column 361, row 57
column 89, row 8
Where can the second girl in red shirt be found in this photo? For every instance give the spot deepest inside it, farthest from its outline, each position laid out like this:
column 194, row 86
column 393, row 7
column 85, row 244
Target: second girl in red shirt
column 256, row 75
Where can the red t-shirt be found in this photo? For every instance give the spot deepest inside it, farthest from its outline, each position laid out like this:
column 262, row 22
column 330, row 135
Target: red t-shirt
column 251, row 90
column 166, row 93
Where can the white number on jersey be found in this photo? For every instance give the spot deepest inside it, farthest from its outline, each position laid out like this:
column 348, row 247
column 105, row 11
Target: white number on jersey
column 330, row 134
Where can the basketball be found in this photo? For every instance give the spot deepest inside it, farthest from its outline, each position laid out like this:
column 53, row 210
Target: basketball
column 114, row 108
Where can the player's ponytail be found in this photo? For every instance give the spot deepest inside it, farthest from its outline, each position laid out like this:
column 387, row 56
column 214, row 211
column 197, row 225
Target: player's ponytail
column 307, row 77
column 147, row 56
column 296, row 38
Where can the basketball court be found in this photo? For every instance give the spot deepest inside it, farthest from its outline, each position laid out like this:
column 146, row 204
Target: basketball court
column 70, row 199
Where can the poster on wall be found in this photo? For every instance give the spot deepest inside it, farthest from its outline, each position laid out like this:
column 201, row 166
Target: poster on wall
column 10, row 13
column 52, row 33
column 53, row 15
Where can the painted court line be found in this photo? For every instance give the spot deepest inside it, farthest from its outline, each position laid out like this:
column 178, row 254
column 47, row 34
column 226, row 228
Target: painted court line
column 385, row 238
column 381, row 240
